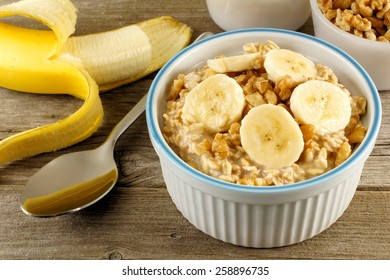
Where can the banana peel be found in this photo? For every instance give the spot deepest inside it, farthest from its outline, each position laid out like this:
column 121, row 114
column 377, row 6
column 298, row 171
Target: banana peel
column 54, row 62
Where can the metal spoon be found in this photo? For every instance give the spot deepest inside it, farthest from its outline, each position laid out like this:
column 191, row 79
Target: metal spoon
column 74, row 181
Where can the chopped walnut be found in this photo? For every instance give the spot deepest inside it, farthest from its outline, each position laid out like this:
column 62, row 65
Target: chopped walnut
column 251, row 48
column 376, row 22
column 357, row 135
column 271, row 97
column 255, row 99
column 383, row 11
column 308, row 132
column 177, row 86
column 368, row 19
column 341, row 4
column 262, row 85
column 370, row 35
column 343, row 153
column 343, row 19
column 220, row 146
column 364, row 7
column 284, row 88
column 325, row 5
column 358, row 105
column 361, row 23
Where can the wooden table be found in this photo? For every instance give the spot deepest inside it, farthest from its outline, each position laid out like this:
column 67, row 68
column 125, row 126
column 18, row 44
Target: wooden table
column 138, row 220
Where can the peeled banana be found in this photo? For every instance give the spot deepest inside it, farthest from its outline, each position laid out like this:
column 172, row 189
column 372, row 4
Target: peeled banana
column 53, row 62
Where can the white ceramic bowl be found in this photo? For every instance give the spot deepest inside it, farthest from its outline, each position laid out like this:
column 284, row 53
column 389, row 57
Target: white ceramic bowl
column 262, row 216
column 372, row 55
column 238, row 14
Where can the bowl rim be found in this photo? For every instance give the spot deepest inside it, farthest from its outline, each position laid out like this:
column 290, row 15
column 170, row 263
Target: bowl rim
column 369, row 43
column 364, row 148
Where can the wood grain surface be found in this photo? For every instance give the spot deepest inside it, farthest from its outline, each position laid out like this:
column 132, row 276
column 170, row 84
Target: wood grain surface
column 138, row 220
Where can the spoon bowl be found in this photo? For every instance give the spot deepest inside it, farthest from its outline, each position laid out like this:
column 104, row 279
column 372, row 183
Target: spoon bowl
column 74, row 181
column 62, row 191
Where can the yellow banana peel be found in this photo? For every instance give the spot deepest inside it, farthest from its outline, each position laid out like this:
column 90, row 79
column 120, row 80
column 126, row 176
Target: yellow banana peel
column 54, row 62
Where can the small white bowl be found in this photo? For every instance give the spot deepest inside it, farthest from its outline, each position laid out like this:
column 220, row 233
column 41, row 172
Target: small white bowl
column 239, row 14
column 262, row 216
column 374, row 56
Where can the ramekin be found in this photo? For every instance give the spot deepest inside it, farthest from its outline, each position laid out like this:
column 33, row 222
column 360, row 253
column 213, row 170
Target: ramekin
column 262, row 217
column 238, row 14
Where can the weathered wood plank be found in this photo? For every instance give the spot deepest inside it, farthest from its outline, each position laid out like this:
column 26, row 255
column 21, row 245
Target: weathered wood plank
column 139, row 221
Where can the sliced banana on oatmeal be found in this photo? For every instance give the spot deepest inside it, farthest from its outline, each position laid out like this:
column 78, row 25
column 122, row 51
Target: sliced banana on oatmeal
column 322, row 104
column 235, row 63
column 216, row 102
column 281, row 62
column 271, row 136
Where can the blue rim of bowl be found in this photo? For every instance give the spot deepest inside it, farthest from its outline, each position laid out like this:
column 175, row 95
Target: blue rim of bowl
column 369, row 141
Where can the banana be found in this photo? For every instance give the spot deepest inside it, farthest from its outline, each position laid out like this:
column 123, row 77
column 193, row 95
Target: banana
column 271, row 136
column 130, row 53
column 233, row 63
column 167, row 36
column 281, row 62
column 216, row 102
column 322, row 104
column 54, row 62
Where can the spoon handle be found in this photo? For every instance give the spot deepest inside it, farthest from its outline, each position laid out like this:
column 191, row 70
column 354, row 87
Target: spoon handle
column 127, row 120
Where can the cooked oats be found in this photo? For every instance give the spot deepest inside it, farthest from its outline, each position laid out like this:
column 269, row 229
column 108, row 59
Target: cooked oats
column 222, row 156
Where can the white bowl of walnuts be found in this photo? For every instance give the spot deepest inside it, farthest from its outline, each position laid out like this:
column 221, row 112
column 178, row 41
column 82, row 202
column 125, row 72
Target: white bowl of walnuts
column 359, row 27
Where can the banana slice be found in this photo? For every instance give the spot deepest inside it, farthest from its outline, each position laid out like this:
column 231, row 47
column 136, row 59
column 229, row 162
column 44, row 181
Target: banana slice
column 322, row 104
column 233, row 63
column 216, row 102
column 271, row 136
column 281, row 62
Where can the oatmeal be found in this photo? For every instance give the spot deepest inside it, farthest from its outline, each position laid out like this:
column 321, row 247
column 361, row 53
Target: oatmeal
column 368, row 19
column 208, row 131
